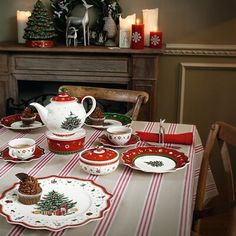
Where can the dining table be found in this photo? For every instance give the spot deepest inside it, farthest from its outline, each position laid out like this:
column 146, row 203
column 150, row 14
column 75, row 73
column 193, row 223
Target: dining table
column 142, row 203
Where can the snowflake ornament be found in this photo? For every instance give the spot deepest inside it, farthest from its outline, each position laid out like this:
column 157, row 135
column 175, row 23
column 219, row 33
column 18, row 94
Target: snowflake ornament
column 155, row 40
column 136, row 37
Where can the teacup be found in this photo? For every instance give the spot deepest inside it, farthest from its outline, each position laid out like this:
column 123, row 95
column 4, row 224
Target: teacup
column 119, row 135
column 22, row 148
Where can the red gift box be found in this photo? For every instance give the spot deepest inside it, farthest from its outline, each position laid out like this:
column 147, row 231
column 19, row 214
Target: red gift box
column 137, row 39
column 156, row 39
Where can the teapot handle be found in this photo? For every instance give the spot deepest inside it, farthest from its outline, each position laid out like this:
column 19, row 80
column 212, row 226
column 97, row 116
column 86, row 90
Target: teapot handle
column 93, row 104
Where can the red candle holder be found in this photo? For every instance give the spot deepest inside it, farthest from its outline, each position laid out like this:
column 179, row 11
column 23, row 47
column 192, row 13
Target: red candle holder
column 156, row 39
column 137, row 39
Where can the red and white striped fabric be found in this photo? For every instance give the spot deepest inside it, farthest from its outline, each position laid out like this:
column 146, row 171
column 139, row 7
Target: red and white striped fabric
column 142, row 203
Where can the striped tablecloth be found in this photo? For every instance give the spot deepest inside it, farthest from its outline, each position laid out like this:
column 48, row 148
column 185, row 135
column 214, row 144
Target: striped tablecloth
column 142, row 203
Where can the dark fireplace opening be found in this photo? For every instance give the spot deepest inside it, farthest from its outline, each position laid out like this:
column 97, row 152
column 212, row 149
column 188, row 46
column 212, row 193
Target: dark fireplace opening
column 42, row 91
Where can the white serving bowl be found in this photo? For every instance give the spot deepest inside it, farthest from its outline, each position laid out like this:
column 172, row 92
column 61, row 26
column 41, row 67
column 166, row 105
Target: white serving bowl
column 99, row 160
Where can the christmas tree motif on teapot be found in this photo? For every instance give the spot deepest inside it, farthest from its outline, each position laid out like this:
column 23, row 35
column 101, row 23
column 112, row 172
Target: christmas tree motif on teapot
column 71, row 122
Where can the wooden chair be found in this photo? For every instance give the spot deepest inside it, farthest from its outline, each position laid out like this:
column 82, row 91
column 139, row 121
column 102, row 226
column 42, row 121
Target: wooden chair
column 225, row 135
column 136, row 98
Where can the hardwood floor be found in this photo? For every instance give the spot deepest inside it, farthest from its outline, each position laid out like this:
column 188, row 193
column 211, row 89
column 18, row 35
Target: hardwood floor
column 219, row 225
column 215, row 226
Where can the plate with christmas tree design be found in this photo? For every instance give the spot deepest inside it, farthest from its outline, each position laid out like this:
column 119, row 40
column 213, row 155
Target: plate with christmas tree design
column 155, row 159
column 66, row 202
column 111, row 119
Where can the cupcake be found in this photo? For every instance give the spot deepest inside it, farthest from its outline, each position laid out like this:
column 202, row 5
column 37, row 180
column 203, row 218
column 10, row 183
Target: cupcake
column 27, row 116
column 29, row 191
column 97, row 117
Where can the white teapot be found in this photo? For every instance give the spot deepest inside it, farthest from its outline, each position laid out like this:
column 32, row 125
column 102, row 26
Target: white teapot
column 64, row 115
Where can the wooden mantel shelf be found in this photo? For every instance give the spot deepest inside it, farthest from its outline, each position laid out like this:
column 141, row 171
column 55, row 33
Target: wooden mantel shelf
column 136, row 69
column 15, row 47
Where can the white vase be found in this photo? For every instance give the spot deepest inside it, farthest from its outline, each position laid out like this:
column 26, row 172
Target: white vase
column 111, row 29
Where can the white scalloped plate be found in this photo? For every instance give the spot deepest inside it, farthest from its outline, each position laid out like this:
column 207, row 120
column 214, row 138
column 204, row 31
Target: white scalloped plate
column 90, row 202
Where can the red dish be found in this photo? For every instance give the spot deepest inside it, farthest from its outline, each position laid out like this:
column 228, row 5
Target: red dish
column 14, row 122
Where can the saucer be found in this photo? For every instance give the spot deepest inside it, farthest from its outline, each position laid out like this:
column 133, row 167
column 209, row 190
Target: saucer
column 6, row 157
column 106, row 142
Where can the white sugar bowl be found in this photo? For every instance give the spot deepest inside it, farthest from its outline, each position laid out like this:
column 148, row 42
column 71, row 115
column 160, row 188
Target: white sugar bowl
column 99, row 160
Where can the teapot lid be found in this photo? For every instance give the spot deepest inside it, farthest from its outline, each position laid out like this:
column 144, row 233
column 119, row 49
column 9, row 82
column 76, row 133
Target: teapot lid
column 63, row 97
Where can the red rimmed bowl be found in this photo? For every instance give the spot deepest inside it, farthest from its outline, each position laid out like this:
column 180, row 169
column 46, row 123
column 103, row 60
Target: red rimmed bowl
column 99, row 160
column 66, row 144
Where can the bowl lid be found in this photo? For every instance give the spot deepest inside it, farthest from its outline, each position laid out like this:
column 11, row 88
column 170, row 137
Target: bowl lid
column 99, row 154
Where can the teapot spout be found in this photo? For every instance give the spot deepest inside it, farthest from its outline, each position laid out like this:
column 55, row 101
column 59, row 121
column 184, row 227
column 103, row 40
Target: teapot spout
column 43, row 112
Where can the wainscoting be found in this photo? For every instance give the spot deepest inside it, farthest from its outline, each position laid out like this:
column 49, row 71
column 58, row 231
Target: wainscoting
column 207, row 94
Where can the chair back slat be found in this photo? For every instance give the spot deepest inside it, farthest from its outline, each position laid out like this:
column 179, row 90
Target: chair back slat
column 136, row 98
column 228, row 173
column 227, row 133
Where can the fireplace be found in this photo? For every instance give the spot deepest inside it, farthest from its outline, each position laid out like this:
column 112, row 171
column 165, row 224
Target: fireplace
column 26, row 72
column 42, row 91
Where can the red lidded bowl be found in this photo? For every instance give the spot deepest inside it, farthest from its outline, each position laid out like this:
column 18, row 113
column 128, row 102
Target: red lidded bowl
column 99, row 160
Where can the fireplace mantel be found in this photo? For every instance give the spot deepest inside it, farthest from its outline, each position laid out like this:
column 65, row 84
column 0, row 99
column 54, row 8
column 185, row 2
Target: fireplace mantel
column 138, row 69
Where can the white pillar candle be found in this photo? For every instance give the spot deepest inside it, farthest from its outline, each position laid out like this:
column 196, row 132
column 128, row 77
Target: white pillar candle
column 150, row 21
column 125, row 30
column 22, row 18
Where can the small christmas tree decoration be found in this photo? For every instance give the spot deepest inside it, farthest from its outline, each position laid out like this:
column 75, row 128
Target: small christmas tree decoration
column 40, row 30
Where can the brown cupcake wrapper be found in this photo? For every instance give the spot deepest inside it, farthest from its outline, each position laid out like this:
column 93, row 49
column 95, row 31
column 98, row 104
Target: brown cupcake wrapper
column 97, row 121
column 29, row 199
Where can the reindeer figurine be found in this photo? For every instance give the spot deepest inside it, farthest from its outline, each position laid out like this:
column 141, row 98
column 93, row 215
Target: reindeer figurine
column 71, row 35
column 76, row 21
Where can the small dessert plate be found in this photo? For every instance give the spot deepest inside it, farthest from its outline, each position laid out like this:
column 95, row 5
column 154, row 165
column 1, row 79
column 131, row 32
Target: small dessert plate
column 21, row 125
column 6, row 156
column 107, row 123
column 134, row 140
column 14, row 122
column 155, row 159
